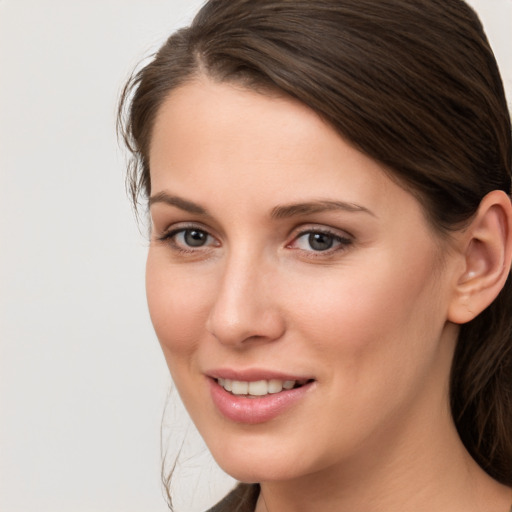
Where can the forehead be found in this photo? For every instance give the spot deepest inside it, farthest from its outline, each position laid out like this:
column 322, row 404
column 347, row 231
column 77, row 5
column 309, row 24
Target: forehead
column 205, row 109
column 223, row 122
column 219, row 142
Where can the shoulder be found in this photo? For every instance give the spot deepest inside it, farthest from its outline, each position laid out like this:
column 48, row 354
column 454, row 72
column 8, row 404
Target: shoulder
column 242, row 498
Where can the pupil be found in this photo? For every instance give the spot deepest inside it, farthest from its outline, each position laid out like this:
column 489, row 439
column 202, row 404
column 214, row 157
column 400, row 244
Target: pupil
column 195, row 238
column 320, row 241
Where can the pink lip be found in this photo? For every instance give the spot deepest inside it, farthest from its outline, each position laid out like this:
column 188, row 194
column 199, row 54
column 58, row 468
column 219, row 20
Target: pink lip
column 241, row 409
column 253, row 374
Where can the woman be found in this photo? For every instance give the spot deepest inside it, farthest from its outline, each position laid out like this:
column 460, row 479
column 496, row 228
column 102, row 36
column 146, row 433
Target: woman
column 331, row 240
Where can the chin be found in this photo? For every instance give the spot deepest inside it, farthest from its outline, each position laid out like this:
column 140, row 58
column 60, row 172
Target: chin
column 263, row 461
column 255, row 471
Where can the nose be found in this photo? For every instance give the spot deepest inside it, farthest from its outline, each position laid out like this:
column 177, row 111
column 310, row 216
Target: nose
column 245, row 308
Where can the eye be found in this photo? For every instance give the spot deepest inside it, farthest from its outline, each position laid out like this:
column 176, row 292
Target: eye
column 188, row 239
column 192, row 237
column 320, row 241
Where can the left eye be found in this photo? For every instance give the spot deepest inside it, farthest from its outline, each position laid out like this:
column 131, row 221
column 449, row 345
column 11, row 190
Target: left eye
column 319, row 241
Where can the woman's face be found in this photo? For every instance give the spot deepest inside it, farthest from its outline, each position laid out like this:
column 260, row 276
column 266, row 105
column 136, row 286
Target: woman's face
column 281, row 257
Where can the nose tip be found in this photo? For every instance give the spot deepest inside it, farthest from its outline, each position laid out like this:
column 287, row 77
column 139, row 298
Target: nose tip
column 235, row 329
column 245, row 309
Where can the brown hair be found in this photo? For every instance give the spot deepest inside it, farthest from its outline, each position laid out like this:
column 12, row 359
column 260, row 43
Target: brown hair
column 411, row 83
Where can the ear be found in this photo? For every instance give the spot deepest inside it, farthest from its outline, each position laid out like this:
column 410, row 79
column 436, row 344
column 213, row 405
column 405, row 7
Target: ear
column 487, row 252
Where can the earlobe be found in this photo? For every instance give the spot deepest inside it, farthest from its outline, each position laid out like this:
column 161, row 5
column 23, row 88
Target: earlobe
column 487, row 253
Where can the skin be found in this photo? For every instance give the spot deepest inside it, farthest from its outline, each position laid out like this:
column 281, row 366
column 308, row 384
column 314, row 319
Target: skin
column 368, row 319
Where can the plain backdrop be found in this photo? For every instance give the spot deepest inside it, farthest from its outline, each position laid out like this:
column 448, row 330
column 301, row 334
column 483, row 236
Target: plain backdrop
column 83, row 384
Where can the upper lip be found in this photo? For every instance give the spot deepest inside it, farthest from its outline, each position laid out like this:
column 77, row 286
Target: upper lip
column 253, row 374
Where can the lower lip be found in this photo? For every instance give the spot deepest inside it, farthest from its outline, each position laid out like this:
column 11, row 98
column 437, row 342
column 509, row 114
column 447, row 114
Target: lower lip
column 258, row 409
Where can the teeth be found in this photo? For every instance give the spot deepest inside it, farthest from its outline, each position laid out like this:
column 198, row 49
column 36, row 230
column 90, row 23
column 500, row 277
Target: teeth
column 240, row 387
column 259, row 387
column 275, row 386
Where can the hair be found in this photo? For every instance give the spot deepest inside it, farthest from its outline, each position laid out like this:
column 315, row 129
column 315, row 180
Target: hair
column 411, row 83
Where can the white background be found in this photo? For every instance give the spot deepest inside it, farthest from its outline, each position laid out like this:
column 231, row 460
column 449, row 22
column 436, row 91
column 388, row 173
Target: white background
column 82, row 381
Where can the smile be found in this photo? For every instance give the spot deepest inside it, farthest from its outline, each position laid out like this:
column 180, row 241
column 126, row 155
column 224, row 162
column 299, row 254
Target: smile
column 257, row 401
column 259, row 387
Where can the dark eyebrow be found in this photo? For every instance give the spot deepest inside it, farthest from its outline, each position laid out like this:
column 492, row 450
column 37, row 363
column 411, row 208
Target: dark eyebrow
column 292, row 210
column 178, row 202
column 278, row 212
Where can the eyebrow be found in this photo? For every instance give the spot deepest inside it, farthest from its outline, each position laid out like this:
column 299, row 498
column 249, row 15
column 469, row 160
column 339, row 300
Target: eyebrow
column 278, row 212
column 178, row 202
column 297, row 209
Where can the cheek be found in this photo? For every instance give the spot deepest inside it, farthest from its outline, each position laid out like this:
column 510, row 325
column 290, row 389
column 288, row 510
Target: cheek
column 369, row 314
column 178, row 305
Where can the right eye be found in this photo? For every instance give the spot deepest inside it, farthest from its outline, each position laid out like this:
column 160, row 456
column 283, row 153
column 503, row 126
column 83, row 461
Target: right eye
column 192, row 237
column 188, row 239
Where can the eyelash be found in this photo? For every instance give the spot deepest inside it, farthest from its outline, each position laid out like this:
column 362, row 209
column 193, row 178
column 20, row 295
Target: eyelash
column 340, row 242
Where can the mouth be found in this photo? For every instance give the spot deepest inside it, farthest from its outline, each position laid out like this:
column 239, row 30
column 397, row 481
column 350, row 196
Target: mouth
column 247, row 397
column 259, row 388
